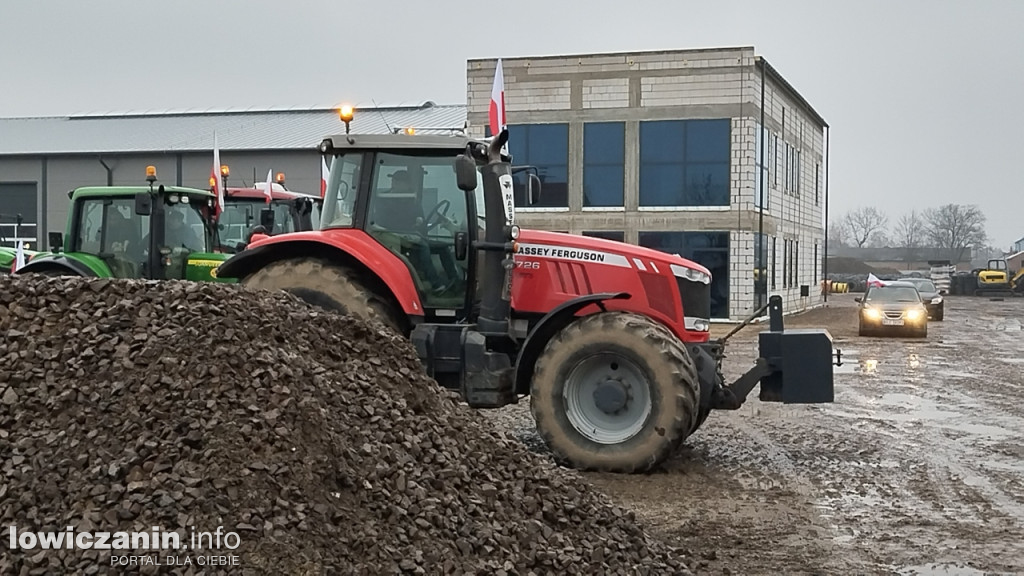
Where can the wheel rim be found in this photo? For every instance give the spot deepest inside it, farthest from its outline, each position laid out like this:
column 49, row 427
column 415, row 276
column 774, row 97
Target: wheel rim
column 607, row 398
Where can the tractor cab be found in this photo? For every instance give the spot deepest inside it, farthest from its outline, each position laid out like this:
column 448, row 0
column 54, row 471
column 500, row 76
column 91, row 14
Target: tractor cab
column 156, row 232
column 404, row 193
column 247, row 213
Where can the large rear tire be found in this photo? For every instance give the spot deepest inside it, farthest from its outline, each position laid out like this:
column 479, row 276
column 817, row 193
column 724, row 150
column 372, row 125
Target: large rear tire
column 614, row 392
column 329, row 286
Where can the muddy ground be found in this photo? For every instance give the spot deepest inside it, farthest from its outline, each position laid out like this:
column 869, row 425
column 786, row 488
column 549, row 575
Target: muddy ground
column 917, row 468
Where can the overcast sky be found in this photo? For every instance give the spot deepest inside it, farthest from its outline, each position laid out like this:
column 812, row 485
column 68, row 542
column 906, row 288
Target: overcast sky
column 924, row 97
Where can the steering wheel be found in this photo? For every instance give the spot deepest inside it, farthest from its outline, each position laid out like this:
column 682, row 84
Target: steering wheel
column 437, row 214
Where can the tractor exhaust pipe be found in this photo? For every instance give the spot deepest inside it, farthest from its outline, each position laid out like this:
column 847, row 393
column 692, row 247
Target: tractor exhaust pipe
column 496, row 271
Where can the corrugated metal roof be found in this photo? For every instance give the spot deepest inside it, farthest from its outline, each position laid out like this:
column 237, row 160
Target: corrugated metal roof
column 193, row 131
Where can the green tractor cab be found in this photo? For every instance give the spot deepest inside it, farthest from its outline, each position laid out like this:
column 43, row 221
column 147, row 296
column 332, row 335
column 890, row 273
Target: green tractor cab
column 153, row 232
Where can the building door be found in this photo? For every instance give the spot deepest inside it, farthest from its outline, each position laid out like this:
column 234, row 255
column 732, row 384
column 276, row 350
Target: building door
column 18, row 199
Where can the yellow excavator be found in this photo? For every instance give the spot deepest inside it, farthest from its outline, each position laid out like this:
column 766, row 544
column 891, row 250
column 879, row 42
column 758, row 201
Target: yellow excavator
column 997, row 279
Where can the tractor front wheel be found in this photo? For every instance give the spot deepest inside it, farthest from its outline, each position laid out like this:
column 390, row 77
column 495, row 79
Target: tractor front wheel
column 614, row 392
column 327, row 286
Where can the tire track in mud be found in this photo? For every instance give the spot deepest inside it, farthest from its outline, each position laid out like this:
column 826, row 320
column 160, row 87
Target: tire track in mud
column 948, row 495
column 805, row 481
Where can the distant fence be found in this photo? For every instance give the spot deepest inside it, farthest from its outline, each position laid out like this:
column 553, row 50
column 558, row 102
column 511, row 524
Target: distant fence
column 11, row 233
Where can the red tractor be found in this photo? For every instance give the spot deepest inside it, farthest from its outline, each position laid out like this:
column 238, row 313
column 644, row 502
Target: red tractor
column 247, row 213
column 610, row 340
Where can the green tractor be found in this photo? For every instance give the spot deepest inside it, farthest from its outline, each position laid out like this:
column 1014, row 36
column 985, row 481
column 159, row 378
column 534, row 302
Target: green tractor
column 155, row 233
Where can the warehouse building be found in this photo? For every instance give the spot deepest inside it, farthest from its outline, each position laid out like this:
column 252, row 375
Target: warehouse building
column 664, row 149
column 41, row 159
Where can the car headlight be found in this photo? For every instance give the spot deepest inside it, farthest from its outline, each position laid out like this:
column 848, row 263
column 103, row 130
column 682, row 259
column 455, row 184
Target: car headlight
column 913, row 314
column 872, row 313
column 937, row 300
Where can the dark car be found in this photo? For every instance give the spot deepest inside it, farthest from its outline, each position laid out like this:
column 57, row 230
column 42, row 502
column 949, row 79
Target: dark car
column 893, row 309
column 931, row 296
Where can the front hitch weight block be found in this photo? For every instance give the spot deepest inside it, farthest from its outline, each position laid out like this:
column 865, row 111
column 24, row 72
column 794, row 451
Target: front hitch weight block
column 803, row 366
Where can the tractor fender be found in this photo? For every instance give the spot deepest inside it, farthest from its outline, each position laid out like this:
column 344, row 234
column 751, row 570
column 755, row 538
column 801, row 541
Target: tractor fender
column 389, row 275
column 57, row 262
column 549, row 325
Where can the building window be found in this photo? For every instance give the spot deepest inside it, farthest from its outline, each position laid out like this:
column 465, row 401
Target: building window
column 817, row 183
column 760, row 268
column 774, row 262
column 815, row 282
column 796, row 263
column 618, row 236
column 775, row 161
column 761, row 172
column 546, row 147
column 685, row 162
column 709, row 249
column 604, row 158
column 787, row 258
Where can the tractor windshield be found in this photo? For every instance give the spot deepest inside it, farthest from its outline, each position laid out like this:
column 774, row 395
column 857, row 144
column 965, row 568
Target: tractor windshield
column 340, row 197
column 240, row 216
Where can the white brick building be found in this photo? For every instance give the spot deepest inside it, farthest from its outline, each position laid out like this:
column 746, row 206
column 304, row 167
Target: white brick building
column 662, row 149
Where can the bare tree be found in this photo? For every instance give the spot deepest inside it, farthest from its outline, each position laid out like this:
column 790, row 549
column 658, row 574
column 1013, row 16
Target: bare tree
column 838, row 235
column 909, row 231
column 864, row 222
column 879, row 239
column 909, row 234
column 956, row 228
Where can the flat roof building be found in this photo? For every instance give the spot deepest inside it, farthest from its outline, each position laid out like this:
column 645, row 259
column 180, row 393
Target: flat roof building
column 664, row 149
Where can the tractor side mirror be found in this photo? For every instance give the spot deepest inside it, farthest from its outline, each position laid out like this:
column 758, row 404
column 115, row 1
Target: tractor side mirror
column 465, row 173
column 461, row 245
column 532, row 189
column 267, row 219
column 56, row 240
column 143, row 204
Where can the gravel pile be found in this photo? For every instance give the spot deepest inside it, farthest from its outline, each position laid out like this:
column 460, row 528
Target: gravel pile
column 128, row 405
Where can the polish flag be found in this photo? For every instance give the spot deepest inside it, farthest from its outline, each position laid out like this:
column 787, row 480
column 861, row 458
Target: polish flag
column 874, row 281
column 215, row 177
column 19, row 256
column 325, row 174
column 270, row 182
column 496, row 112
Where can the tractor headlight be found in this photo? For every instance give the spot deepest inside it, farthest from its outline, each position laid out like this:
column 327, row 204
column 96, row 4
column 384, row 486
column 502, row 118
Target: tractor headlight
column 937, row 300
column 701, row 325
column 514, row 232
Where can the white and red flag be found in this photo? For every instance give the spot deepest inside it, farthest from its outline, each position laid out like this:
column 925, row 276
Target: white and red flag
column 496, row 113
column 874, row 281
column 215, row 177
column 270, row 183
column 19, row 256
column 325, row 174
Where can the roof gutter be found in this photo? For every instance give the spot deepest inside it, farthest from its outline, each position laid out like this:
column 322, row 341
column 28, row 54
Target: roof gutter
column 774, row 75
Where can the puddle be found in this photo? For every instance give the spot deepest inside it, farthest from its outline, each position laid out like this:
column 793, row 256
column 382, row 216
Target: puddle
column 940, row 569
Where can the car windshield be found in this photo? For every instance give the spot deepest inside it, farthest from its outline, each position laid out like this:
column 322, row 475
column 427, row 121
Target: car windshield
column 893, row 294
column 925, row 286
